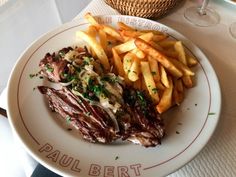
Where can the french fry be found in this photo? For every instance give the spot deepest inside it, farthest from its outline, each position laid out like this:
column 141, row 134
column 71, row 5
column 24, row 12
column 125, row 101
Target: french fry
column 149, row 81
column 166, row 99
column 131, row 34
column 152, row 31
column 191, row 61
column 181, row 53
column 103, row 39
column 118, row 63
column 125, row 27
column 111, row 40
column 130, row 45
column 154, row 68
column 143, row 84
column 160, row 86
column 156, row 46
column 170, row 52
column 112, row 32
column 138, row 84
column 88, row 16
column 147, row 48
column 139, row 53
column 167, row 43
column 179, row 85
column 96, row 47
column 188, row 82
column 159, row 37
column 133, row 73
column 127, row 61
column 92, row 31
column 164, row 78
column 177, row 96
column 184, row 68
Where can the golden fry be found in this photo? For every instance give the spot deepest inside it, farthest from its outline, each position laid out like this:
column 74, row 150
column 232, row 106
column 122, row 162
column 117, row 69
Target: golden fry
column 181, row 53
column 96, row 47
column 179, row 85
column 138, row 84
column 159, row 37
column 127, row 62
column 154, row 69
column 164, row 78
column 123, row 26
column 149, row 81
column 166, row 99
column 147, row 48
column 191, row 61
column 177, row 96
column 130, row 45
column 188, row 82
column 160, row 86
column 118, row 63
column 103, row 39
column 184, row 68
column 131, row 34
column 88, row 16
column 112, row 32
column 92, row 31
column 133, row 73
column 139, row 53
column 167, row 43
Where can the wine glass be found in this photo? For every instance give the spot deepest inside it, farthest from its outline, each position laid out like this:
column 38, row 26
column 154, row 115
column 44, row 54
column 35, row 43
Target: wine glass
column 232, row 29
column 202, row 16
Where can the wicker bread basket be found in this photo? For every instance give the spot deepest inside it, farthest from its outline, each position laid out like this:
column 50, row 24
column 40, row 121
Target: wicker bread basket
column 143, row 8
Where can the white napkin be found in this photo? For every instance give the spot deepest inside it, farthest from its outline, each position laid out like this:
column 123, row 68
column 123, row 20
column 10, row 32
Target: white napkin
column 3, row 99
column 18, row 159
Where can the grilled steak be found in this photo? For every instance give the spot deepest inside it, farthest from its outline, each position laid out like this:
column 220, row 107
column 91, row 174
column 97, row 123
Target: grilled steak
column 93, row 123
column 98, row 103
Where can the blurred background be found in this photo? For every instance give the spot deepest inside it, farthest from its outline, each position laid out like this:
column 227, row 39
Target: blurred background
column 23, row 21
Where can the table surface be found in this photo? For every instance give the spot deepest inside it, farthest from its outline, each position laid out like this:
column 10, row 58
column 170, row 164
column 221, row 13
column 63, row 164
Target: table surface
column 218, row 157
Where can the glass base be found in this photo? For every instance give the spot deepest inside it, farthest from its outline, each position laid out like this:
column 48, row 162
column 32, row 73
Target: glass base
column 210, row 18
column 232, row 29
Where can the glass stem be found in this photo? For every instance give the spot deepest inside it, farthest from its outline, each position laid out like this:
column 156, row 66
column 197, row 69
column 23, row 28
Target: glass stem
column 202, row 10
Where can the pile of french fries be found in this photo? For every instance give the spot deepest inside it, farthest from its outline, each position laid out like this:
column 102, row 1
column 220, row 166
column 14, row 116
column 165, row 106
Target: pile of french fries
column 147, row 59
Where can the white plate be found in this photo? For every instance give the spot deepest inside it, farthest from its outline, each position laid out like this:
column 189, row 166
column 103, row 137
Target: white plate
column 189, row 127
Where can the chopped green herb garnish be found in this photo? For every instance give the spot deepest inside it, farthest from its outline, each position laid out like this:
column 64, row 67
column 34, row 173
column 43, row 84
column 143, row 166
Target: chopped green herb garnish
column 177, row 132
column 140, row 96
column 117, row 157
column 34, row 89
column 61, row 53
column 195, row 104
column 68, row 119
column 128, row 70
column 88, row 113
column 155, row 90
column 31, row 75
column 211, row 113
column 48, row 68
column 40, row 77
column 153, row 73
